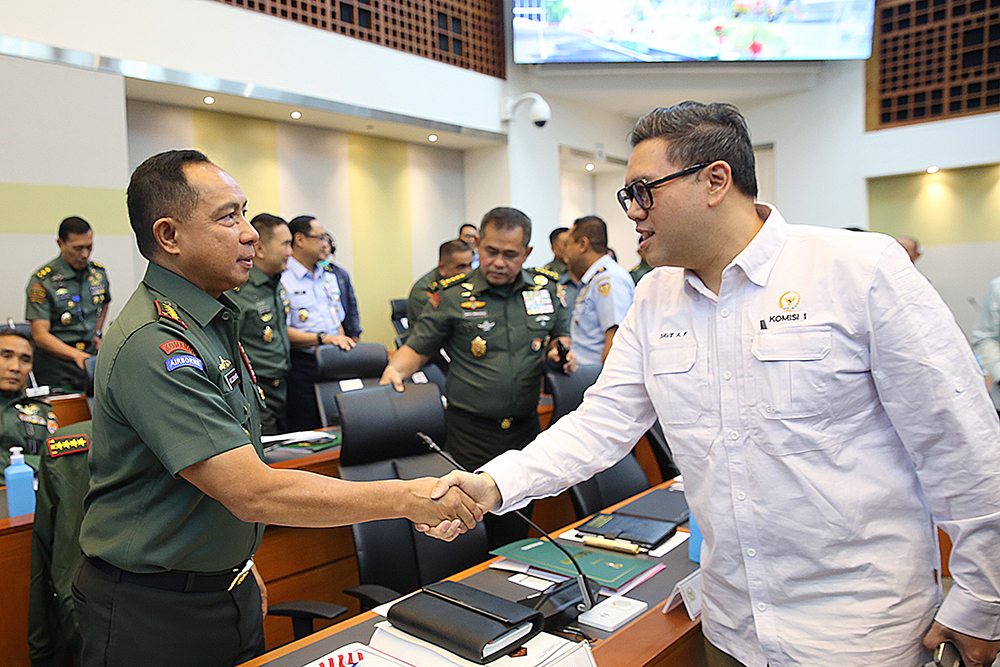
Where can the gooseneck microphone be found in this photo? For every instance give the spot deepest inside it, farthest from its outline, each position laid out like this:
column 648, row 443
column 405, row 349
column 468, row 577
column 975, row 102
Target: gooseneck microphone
column 587, row 598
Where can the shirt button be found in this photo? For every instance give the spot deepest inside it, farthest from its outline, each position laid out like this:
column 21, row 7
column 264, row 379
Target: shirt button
column 724, row 312
column 768, row 408
column 727, row 375
column 761, row 606
column 733, row 435
column 959, row 388
column 751, row 552
column 741, row 496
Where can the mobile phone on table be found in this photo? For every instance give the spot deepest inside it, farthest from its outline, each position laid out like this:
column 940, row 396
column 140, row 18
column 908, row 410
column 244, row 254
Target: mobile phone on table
column 947, row 655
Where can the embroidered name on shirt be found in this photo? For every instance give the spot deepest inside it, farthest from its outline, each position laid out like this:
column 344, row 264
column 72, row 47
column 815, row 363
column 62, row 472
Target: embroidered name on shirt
column 673, row 334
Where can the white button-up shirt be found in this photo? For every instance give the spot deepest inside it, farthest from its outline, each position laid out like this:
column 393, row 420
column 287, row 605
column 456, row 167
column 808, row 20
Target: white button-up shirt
column 605, row 296
column 825, row 410
column 314, row 298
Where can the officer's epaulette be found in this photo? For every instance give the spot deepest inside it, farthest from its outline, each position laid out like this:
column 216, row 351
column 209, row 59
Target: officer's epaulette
column 448, row 282
column 99, row 265
column 166, row 311
column 433, row 286
column 603, row 268
column 44, row 271
column 328, row 268
column 546, row 272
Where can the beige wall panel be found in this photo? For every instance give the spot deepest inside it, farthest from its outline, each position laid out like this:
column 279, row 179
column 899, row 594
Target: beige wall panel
column 437, row 203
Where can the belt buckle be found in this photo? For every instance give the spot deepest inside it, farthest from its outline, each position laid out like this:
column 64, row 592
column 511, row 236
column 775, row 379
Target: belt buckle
column 241, row 575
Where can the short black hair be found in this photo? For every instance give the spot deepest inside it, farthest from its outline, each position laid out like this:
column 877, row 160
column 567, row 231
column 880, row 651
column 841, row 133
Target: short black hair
column 159, row 189
column 503, row 218
column 595, row 229
column 556, row 232
column 6, row 331
column 73, row 225
column 265, row 223
column 699, row 133
column 300, row 224
column 464, row 225
column 450, row 248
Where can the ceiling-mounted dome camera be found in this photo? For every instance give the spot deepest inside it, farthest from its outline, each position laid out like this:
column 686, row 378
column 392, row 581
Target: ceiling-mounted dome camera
column 541, row 113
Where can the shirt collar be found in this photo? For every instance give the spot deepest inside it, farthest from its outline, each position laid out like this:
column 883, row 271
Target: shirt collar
column 60, row 266
column 602, row 262
column 258, row 277
column 184, row 294
column 300, row 270
column 761, row 254
column 480, row 284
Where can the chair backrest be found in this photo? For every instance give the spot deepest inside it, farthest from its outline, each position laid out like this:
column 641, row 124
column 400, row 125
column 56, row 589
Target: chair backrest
column 392, row 552
column 90, row 366
column 398, row 315
column 661, row 450
column 380, row 423
column 622, row 480
column 365, row 362
column 433, row 373
column 567, row 390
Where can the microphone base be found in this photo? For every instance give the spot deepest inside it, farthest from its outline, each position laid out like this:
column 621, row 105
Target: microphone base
column 558, row 604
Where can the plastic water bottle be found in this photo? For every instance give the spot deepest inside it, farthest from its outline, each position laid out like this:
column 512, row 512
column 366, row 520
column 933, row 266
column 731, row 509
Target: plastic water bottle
column 20, row 481
column 694, row 542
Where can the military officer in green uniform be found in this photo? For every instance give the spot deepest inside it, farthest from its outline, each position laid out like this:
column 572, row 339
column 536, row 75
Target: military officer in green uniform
column 264, row 303
column 640, row 269
column 557, row 241
column 179, row 492
column 66, row 302
column 454, row 257
column 24, row 422
column 498, row 324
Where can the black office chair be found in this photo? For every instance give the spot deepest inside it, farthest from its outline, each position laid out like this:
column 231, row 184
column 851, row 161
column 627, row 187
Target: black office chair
column 661, row 450
column 431, row 373
column 304, row 612
column 380, row 442
column 567, row 390
column 90, row 365
column 365, row 362
column 398, row 316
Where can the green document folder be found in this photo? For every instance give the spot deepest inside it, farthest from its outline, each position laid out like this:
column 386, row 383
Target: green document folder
column 608, row 568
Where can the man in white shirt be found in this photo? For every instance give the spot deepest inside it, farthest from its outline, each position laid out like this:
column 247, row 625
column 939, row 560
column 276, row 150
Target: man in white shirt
column 823, row 407
column 606, row 290
column 986, row 340
column 314, row 317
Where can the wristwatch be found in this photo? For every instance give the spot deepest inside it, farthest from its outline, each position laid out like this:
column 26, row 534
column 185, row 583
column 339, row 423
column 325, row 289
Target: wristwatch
column 319, row 339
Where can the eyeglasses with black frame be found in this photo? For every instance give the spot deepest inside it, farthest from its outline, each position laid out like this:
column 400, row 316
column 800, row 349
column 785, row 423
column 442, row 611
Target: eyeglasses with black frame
column 641, row 191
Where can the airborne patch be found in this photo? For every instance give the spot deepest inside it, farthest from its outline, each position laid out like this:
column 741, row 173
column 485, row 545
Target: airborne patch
column 67, row 444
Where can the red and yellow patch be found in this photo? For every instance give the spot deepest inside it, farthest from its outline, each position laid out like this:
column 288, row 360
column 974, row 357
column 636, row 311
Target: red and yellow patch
column 37, row 293
column 434, row 299
column 167, row 311
column 67, row 444
column 172, row 346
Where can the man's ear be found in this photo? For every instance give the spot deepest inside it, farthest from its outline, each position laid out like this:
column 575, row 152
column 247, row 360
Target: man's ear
column 165, row 235
column 719, row 181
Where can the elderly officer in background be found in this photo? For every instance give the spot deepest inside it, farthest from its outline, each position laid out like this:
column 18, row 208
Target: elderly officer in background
column 823, row 406
column 314, row 318
column 454, row 257
column 24, row 422
column 264, row 304
column 179, row 492
column 497, row 324
column 605, row 294
column 66, row 302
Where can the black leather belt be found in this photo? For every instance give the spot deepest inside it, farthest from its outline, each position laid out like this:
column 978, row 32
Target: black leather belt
column 178, row 582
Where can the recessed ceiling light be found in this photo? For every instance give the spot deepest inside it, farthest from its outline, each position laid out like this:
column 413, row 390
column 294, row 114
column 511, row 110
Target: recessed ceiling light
column 432, row 138
column 590, row 166
column 209, row 99
column 296, row 115
column 933, row 169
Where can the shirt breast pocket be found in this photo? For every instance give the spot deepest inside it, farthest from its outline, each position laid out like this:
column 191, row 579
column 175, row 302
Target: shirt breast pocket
column 681, row 389
column 792, row 373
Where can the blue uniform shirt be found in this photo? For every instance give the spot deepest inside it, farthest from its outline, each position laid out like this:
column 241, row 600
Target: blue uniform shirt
column 605, row 296
column 314, row 297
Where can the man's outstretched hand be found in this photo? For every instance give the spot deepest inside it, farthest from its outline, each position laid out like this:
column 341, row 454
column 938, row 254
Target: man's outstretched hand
column 479, row 487
column 975, row 652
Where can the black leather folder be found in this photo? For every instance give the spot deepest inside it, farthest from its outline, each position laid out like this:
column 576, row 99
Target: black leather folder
column 471, row 623
column 635, row 529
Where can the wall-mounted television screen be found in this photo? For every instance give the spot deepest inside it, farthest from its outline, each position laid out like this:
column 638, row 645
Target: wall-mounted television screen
column 593, row 31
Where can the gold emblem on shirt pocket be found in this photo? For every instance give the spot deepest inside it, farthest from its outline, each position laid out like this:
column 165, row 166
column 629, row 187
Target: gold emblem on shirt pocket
column 682, row 389
column 792, row 378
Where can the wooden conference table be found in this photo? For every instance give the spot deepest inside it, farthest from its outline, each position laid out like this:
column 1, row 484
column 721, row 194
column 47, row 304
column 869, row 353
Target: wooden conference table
column 653, row 639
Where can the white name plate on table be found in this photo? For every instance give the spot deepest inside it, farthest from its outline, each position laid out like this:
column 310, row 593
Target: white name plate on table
column 687, row 590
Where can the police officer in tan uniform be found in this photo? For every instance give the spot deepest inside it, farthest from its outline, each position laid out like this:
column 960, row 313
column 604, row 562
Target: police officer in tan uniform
column 66, row 302
column 498, row 324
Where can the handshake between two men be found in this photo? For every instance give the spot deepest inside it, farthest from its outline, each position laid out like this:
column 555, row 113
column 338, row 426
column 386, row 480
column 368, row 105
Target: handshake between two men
column 461, row 499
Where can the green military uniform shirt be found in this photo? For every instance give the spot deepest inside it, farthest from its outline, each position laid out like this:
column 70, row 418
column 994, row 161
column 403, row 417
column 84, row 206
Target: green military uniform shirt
column 172, row 389
column 264, row 306
column 556, row 266
column 70, row 301
column 426, row 285
column 641, row 269
column 496, row 338
column 55, row 546
column 25, row 423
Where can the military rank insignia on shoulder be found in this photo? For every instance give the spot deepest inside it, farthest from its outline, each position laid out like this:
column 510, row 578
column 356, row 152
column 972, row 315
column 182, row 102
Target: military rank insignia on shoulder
column 67, row 444
column 166, row 311
column 448, row 282
column 99, row 265
column 44, row 271
column 547, row 273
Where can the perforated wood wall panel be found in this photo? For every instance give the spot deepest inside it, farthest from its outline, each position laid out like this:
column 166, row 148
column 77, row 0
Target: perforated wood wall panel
column 933, row 59
column 466, row 33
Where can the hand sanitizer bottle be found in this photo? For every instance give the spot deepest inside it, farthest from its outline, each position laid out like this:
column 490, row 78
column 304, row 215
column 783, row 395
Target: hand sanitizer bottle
column 20, row 481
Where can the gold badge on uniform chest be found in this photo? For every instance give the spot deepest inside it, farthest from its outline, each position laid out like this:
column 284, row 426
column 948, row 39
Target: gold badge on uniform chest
column 303, row 315
column 66, row 318
column 478, row 346
column 268, row 334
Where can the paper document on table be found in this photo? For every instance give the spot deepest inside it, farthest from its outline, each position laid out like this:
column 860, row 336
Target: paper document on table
column 356, row 654
column 543, row 650
column 296, row 436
